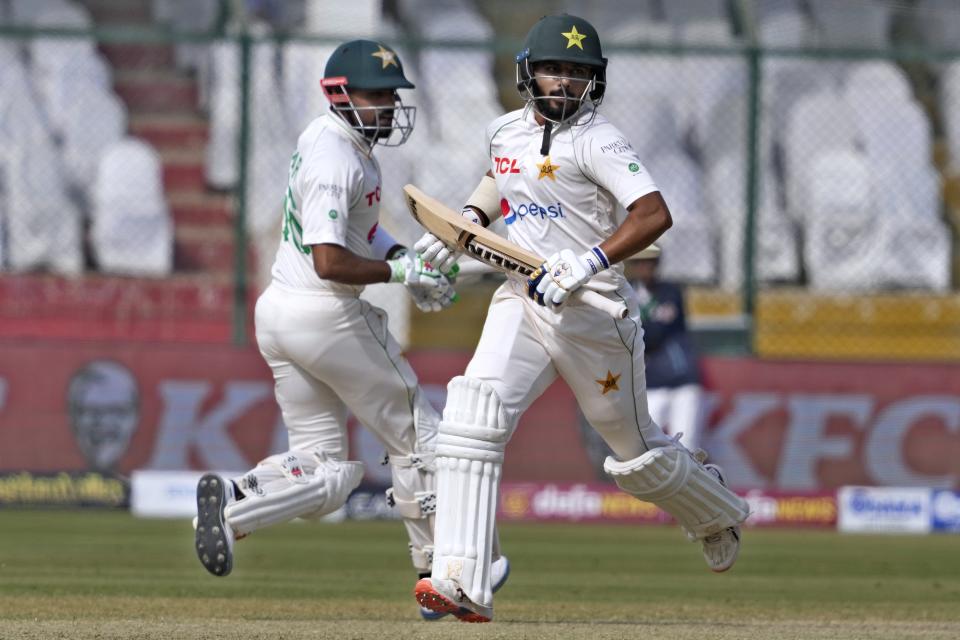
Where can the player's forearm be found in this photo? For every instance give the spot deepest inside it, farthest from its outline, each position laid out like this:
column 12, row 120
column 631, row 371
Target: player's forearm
column 647, row 219
column 337, row 264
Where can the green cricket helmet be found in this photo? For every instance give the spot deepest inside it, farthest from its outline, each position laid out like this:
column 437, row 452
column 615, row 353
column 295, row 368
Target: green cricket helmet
column 561, row 38
column 366, row 65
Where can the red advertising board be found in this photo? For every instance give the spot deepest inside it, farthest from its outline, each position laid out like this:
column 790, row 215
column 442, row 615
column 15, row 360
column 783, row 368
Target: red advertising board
column 778, row 426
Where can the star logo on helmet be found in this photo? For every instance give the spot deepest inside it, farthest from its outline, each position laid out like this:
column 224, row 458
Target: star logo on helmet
column 388, row 57
column 574, row 38
column 547, row 169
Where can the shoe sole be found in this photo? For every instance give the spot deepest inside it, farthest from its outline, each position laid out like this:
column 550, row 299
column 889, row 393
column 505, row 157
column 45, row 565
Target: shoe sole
column 463, row 611
column 736, row 534
column 212, row 546
column 430, row 598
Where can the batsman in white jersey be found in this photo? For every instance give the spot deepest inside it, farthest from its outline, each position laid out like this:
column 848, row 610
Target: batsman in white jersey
column 329, row 350
column 558, row 172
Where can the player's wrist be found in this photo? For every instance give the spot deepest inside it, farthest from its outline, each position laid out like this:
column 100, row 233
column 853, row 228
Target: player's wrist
column 475, row 215
column 595, row 260
column 398, row 269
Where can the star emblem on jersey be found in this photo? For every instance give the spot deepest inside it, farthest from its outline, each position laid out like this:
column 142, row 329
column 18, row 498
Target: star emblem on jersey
column 547, row 169
column 574, row 38
column 388, row 57
column 609, row 383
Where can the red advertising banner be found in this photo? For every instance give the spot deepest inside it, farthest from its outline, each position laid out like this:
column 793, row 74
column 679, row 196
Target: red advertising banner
column 779, row 426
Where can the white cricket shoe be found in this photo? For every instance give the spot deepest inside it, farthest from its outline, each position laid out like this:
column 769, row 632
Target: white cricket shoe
column 214, row 537
column 436, row 604
column 720, row 550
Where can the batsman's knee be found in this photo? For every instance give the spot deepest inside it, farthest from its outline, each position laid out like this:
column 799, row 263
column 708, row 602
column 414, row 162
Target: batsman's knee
column 475, row 424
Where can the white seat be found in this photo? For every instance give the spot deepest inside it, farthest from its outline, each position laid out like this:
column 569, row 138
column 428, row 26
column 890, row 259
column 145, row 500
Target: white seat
column 689, row 251
column 25, row 12
column 950, row 110
column 917, row 254
column 775, row 256
column 221, row 165
column 131, row 231
column 94, row 120
column 818, row 123
column 650, row 124
column 43, row 226
column 71, row 84
column 709, row 79
column 843, row 247
column 897, row 138
column 304, row 100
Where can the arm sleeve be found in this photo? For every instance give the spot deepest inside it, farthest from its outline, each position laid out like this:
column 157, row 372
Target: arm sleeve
column 611, row 162
column 329, row 189
column 383, row 244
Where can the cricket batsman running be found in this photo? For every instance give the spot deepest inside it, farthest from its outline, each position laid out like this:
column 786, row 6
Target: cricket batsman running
column 329, row 350
column 558, row 171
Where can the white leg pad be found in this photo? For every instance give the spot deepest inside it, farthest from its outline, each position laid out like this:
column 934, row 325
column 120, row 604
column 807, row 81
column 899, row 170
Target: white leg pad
column 473, row 435
column 296, row 484
column 414, row 497
column 672, row 479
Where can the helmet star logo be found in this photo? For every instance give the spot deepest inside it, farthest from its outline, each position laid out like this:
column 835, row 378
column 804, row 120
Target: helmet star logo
column 574, row 38
column 387, row 57
column 547, row 169
column 610, row 383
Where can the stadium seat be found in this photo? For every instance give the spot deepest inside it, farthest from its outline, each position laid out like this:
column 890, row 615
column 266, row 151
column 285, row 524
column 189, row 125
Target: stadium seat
column 303, row 100
column 94, row 121
column 650, row 125
column 776, row 238
column 950, row 110
column 131, row 230
column 689, row 251
column 76, row 79
column 709, row 79
column 221, row 153
column 843, row 248
column 817, row 123
column 44, row 227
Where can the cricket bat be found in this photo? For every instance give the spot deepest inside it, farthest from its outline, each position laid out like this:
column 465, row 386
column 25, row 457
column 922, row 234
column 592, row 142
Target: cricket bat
column 486, row 246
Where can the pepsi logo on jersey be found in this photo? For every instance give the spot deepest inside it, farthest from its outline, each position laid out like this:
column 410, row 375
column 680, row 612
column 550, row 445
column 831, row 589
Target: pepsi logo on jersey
column 520, row 212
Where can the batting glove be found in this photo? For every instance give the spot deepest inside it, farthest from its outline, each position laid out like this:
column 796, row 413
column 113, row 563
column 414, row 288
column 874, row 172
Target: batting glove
column 430, row 289
column 435, row 251
column 562, row 274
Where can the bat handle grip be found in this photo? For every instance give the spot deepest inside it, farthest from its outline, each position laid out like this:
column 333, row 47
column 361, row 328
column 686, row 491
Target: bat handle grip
column 614, row 308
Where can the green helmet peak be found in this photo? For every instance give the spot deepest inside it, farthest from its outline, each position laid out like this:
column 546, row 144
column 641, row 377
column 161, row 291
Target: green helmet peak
column 564, row 38
column 367, row 64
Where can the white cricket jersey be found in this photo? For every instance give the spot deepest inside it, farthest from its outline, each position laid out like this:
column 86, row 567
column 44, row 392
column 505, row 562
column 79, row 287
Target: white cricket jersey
column 569, row 198
column 333, row 197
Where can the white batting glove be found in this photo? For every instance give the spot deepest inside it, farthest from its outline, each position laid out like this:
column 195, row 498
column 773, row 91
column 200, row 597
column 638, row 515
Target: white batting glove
column 436, row 252
column 430, row 289
column 562, row 274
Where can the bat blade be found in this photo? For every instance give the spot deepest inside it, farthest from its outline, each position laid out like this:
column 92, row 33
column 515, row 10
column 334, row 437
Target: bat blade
column 486, row 246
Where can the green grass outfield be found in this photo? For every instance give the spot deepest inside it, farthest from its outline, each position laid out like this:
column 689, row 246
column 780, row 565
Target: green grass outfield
column 76, row 574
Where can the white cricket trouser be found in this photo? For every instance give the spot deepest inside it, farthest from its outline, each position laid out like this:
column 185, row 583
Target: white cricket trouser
column 329, row 353
column 679, row 410
column 524, row 347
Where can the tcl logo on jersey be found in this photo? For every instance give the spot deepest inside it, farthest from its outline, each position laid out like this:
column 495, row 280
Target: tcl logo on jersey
column 517, row 213
column 506, row 165
column 372, row 233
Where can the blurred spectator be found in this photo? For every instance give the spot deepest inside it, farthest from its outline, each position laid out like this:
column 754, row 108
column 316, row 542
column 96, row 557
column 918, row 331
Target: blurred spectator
column 674, row 391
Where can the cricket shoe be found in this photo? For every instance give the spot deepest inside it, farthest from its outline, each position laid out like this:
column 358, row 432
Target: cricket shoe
column 720, row 549
column 214, row 538
column 499, row 572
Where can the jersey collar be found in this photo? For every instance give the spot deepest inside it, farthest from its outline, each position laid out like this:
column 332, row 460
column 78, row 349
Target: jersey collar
column 351, row 134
